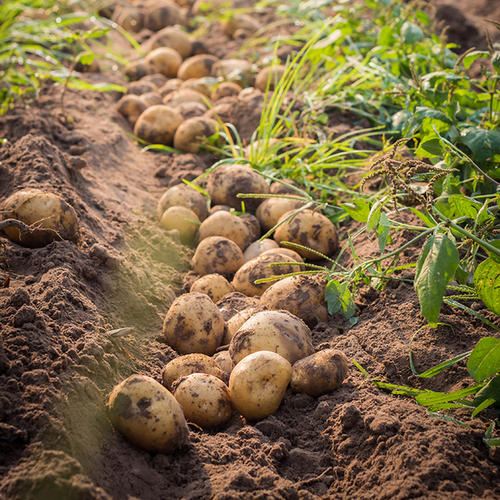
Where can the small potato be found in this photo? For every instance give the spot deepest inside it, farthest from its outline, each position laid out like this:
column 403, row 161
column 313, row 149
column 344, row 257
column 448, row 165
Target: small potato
column 257, row 248
column 157, row 125
column 319, row 373
column 237, row 71
column 310, row 229
column 258, row 383
column 131, row 107
column 234, row 302
column 165, row 61
column 181, row 96
column 182, row 219
column 147, row 415
column 226, row 224
column 216, row 254
column 173, row 38
column 235, row 322
column 269, row 77
column 253, row 225
column 240, row 22
column 277, row 331
column 191, row 134
column 49, row 217
column 201, row 85
column 270, row 211
column 185, row 196
column 128, row 18
column 165, row 14
column 137, row 70
column 224, row 361
column 214, row 285
column 192, row 110
column 151, row 99
column 204, row 399
column 188, row 364
column 193, row 324
column 196, row 66
column 170, row 86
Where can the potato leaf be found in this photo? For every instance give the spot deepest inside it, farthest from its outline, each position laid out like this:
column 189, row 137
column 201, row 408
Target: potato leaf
column 482, row 143
column 339, row 299
column 484, row 360
column 487, row 284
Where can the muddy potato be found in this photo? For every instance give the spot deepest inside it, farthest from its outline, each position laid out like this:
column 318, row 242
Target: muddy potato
column 213, row 285
column 235, row 322
column 236, row 71
column 188, row 364
column 184, row 196
column 129, row 18
column 140, row 87
column 310, row 229
column 225, row 89
column 201, row 85
column 286, row 253
column 224, row 362
column 137, row 70
column 157, row 125
column 269, row 77
column 170, row 86
column 181, row 96
column 147, row 415
column 174, row 38
column 277, row 331
column 151, row 99
column 156, row 79
column 226, row 224
column 270, row 211
column 49, row 217
column 280, row 188
column 183, row 219
column 253, row 225
column 193, row 324
column 165, row 61
column 258, row 383
column 320, row 373
column 191, row 134
column 240, row 22
column 131, row 107
column 218, row 208
column 234, row 302
column 257, row 248
column 159, row 16
column 196, row 66
column 192, row 110
column 217, row 254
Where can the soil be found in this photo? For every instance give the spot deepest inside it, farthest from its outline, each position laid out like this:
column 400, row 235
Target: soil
column 78, row 318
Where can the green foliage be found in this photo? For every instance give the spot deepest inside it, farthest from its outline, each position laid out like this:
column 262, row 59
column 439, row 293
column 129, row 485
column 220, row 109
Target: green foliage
column 487, row 283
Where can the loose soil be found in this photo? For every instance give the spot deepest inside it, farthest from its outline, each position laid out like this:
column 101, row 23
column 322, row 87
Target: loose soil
column 78, row 318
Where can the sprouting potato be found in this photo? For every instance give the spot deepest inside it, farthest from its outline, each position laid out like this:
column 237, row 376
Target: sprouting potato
column 183, row 219
column 257, row 248
column 235, row 302
column 186, row 196
column 157, row 125
column 137, row 70
column 196, row 66
column 131, row 107
column 217, row 254
column 214, row 285
column 190, row 135
column 165, row 61
column 174, row 38
column 225, row 89
column 270, row 211
column 226, row 224
column 235, row 322
column 269, row 77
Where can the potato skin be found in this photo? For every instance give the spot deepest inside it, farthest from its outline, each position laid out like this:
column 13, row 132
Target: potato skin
column 193, row 324
column 131, row 107
column 183, row 219
column 196, row 66
column 226, row 224
column 253, row 225
column 185, row 196
column 273, row 74
column 276, row 331
column 147, row 415
column 173, row 38
column 214, row 285
column 235, row 302
column 216, row 254
column 182, row 96
column 136, row 70
column 190, row 135
column 225, row 89
column 258, row 383
column 287, row 253
column 234, row 323
column 157, row 125
column 258, row 248
column 270, row 211
column 240, row 22
column 165, row 61
column 163, row 15
column 224, row 362
column 320, row 373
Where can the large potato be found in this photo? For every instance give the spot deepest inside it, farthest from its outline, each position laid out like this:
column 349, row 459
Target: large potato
column 165, row 61
column 48, row 216
column 191, row 134
column 234, row 323
column 129, row 18
column 161, row 15
column 276, row 331
column 131, row 107
column 173, row 38
column 258, row 383
column 310, row 229
column 204, row 399
column 213, row 285
column 235, row 302
column 319, row 373
column 257, row 248
column 184, row 220
column 270, row 211
column 157, row 125
column 234, row 70
column 226, row 224
column 269, row 77
column 216, row 254
column 196, row 66
column 184, row 196
column 193, row 324
column 147, row 415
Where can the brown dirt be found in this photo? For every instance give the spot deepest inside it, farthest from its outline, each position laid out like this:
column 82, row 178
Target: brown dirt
column 59, row 356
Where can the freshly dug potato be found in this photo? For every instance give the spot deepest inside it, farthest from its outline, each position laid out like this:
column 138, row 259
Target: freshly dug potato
column 157, row 125
column 225, row 182
column 160, row 16
column 216, row 254
column 136, row 70
column 269, row 77
column 226, row 224
column 147, row 415
column 140, row 87
column 201, row 85
column 310, row 229
column 213, row 285
column 235, row 322
column 280, row 188
column 234, row 70
column 303, row 296
column 225, row 89
column 191, row 134
column 170, row 86
column 258, row 383
column 257, row 248
column 128, row 18
column 192, row 110
column 188, row 364
column 131, row 107
column 165, row 61
column 196, row 66
column 193, row 324
column 49, row 217
column 253, row 225
column 224, row 361
column 156, row 79
column 183, row 219
column 240, row 22
column 270, row 210
column 235, row 302
column 319, row 373
column 173, row 38
column 287, row 254
column 204, row 399
column 277, row 331
column 151, row 99
column 181, row 96
column 218, row 208
column 184, row 196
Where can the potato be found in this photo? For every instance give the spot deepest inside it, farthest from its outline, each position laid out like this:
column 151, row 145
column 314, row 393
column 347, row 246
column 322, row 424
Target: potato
column 240, row 22
column 204, row 399
column 173, row 38
column 188, row 364
column 226, row 224
column 196, row 66
column 163, row 15
column 225, row 89
column 277, row 331
column 157, row 125
column 48, row 216
column 131, row 107
column 235, row 322
column 147, row 415
column 270, row 211
column 310, row 229
column 303, row 296
column 156, row 79
column 192, row 133
column 136, row 70
column 258, row 383
column 170, row 86
column 141, row 87
column 280, row 188
column 319, row 373
column 192, row 110
column 216, row 254
column 225, row 182
column 165, row 61
column 253, row 225
column 193, row 324
column 213, row 285
column 269, row 77
column 151, row 99
column 185, row 196
column 224, row 362
column 181, row 96
column 182, row 219
column 259, row 268
column 238, row 71
column 234, row 302
column 128, row 18
column 201, row 85
column 257, row 248
column 286, row 253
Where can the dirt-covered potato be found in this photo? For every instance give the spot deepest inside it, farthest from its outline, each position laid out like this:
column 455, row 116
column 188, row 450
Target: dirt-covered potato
column 257, row 248
column 191, row 134
column 277, row 331
column 259, row 268
column 227, row 181
column 184, row 196
column 129, row 18
column 253, row 225
column 147, row 415
column 217, row 254
column 258, row 383
column 193, row 324
column 286, row 253
column 213, row 285
column 202, row 85
column 159, row 16
column 240, row 22
column 218, row 208
column 156, row 79
column 237, row 71
column 226, row 224
column 270, row 211
column 188, row 364
column 183, row 219
column 204, row 399
column 235, row 322
column 269, row 77
column 235, row 302
column 140, row 87
column 174, row 38
column 196, row 66
column 310, row 229
column 151, row 99
column 224, row 361
column 165, row 61
column 283, row 187
column 137, row 70
column 303, row 296
column 225, row 89
column 319, row 373
column 48, row 216
column 157, row 125
column 181, row 96
column 170, row 86
column 192, row 110
column 131, row 107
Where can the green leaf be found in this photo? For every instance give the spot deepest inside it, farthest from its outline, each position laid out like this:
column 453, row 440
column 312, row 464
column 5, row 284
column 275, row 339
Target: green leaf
column 411, row 32
column 423, row 217
column 484, row 360
column 339, row 299
column 458, row 205
column 491, row 391
column 482, row 143
column 358, row 209
column 431, row 398
column 430, row 148
column 374, row 215
column 383, row 232
column 422, row 112
column 472, row 56
column 435, row 269
column 487, row 284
